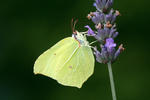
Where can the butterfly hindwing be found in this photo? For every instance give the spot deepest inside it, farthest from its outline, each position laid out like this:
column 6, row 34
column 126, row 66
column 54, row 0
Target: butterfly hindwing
column 78, row 69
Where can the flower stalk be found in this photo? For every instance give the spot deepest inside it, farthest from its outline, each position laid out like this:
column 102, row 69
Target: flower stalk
column 112, row 81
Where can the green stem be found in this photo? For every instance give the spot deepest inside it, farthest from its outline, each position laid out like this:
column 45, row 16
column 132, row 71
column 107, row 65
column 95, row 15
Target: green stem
column 112, row 81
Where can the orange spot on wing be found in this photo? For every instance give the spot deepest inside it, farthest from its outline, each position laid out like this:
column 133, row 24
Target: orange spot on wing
column 55, row 54
column 70, row 67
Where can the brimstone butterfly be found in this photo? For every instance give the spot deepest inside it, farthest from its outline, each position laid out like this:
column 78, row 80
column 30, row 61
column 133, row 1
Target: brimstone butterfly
column 70, row 61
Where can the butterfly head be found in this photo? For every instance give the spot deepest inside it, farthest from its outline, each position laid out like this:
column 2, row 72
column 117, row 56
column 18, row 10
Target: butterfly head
column 81, row 38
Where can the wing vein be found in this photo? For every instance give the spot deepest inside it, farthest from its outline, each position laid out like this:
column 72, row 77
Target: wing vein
column 84, row 67
column 68, row 59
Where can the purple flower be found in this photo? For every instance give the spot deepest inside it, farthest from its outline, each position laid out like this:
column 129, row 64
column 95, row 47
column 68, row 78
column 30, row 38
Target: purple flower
column 113, row 34
column 110, row 44
column 103, row 56
column 98, row 55
column 108, row 52
column 98, row 17
column 90, row 31
column 100, row 35
column 111, row 16
column 105, row 33
column 103, row 5
column 118, row 51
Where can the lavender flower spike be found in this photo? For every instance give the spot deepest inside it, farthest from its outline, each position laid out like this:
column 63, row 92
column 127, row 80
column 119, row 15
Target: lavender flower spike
column 105, row 32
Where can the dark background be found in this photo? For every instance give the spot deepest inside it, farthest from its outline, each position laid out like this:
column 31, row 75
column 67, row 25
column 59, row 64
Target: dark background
column 29, row 27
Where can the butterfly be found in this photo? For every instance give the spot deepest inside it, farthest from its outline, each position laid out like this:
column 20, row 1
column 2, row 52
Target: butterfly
column 70, row 61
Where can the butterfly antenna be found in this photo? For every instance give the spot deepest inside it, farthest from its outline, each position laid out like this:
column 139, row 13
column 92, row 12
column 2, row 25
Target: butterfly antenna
column 73, row 24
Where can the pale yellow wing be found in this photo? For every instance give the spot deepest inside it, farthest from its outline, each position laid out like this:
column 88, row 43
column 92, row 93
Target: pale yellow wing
column 78, row 69
column 66, row 62
column 52, row 60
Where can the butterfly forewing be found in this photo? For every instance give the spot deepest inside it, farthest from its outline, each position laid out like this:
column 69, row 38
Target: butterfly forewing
column 51, row 61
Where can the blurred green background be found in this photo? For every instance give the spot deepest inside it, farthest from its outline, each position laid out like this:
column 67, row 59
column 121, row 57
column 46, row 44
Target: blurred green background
column 29, row 27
